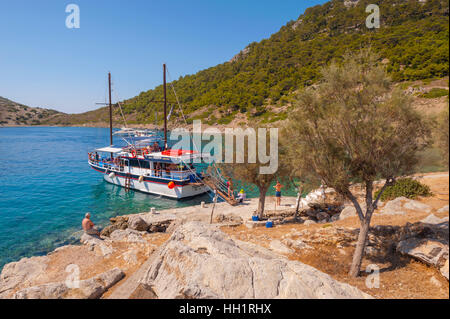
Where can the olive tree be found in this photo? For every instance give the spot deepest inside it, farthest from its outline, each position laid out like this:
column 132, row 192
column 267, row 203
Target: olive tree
column 354, row 127
column 248, row 171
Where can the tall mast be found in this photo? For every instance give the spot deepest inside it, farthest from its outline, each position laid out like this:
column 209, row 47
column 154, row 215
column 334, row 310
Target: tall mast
column 165, row 108
column 110, row 112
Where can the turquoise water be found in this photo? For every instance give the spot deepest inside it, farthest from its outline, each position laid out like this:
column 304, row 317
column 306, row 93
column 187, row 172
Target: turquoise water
column 46, row 187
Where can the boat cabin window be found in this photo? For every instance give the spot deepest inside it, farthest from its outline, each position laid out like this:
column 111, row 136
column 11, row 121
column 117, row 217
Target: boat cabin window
column 138, row 163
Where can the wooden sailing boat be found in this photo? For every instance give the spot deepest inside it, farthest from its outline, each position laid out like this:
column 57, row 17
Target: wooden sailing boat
column 150, row 167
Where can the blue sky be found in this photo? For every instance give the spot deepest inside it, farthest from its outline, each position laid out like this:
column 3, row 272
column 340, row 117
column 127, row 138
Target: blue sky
column 45, row 64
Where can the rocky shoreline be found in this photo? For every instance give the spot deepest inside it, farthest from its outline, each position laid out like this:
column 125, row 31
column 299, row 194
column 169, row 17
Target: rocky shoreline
column 177, row 253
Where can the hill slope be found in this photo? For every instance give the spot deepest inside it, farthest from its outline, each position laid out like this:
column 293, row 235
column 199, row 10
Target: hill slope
column 12, row 114
column 412, row 41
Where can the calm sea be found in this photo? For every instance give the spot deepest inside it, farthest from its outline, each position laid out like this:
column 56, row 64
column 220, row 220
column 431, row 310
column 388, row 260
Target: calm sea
column 46, row 187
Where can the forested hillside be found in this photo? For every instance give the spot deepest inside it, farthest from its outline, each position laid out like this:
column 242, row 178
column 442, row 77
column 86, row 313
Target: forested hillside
column 258, row 83
column 412, row 41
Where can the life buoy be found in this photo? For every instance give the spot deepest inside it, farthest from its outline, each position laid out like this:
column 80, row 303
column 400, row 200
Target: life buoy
column 133, row 153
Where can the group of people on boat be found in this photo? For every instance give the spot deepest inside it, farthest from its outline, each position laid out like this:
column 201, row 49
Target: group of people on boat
column 161, row 168
column 94, row 157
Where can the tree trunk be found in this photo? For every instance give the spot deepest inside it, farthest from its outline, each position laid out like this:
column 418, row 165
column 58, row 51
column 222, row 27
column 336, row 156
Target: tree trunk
column 363, row 232
column 360, row 247
column 261, row 202
column 299, row 197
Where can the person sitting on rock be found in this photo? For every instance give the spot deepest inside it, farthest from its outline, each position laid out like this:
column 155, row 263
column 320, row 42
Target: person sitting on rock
column 88, row 226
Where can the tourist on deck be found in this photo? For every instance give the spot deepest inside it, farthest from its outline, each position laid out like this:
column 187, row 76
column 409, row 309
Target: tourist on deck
column 88, row 226
column 230, row 188
column 278, row 187
column 96, row 156
column 158, row 169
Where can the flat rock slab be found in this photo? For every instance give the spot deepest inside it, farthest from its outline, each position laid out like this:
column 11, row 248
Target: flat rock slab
column 254, row 224
column 158, row 218
column 443, row 209
column 279, row 247
column 431, row 252
column 417, row 206
column 92, row 288
column 127, row 235
column 200, row 261
column 432, row 219
column 398, row 205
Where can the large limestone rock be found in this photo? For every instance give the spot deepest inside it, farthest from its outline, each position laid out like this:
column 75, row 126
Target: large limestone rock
column 119, row 222
column 348, row 211
column 400, row 204
column 200, row 261
column 90, row 240
column 137, row 223
column 54, row 290
column 228, row 219
column 417, row 206
column 394, row 206
column 127, row 235
column 295, row 244
column 92, row 288
column 16, row 273
column 97, row 244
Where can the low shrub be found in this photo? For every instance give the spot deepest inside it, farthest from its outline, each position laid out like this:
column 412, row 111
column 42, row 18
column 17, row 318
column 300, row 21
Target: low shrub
column 435, row 93
column 406, row 187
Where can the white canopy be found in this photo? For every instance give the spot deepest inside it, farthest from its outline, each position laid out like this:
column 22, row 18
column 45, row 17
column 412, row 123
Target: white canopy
column 109, row 149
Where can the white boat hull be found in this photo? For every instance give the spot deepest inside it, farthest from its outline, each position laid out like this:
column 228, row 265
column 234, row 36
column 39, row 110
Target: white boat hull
column 177, row 192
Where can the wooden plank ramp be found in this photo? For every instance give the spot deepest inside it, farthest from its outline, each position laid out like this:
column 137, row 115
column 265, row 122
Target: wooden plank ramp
column 211, row 185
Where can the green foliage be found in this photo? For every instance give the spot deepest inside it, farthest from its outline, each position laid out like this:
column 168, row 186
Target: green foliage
column 413, row 39
column 406, row 187
column 434, row 93
column 442, row 134
column 348, row 129
column 224, row 120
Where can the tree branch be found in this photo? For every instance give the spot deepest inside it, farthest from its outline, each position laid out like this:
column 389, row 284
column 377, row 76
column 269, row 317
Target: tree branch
column 356, row 204
column 389, row 182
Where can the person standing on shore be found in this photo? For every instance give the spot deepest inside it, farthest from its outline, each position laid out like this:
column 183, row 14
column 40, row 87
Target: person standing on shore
column 278, row 187
column 88, row 226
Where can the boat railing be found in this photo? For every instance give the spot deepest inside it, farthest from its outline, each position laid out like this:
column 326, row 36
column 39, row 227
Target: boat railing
column 172, row 174
column 160, row 173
